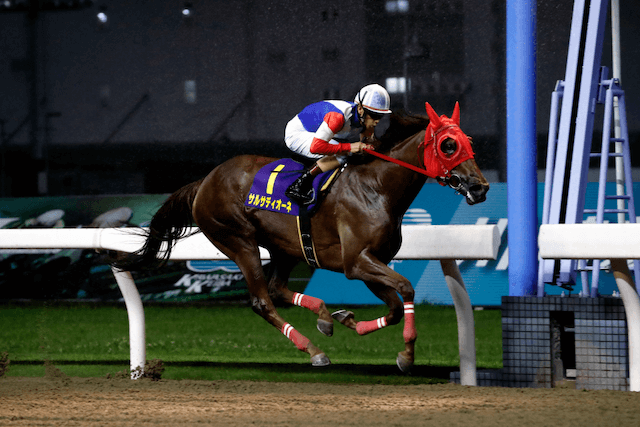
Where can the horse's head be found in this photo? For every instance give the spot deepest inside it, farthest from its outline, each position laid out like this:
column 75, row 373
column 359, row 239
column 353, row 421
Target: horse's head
column 449, row 157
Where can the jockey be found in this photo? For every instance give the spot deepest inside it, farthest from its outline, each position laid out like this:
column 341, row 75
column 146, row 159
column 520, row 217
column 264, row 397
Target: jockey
column 315, row 131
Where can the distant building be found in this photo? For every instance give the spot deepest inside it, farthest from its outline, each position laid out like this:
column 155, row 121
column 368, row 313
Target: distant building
column 134, row 89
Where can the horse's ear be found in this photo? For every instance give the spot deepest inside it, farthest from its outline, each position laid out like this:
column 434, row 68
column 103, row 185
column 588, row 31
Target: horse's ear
column 433, row 116
column 456, row 114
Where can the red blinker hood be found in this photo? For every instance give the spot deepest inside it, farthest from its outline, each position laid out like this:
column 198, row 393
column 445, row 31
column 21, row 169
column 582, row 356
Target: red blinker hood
column 437, row 163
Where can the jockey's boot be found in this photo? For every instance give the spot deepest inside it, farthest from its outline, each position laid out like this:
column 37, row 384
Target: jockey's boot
column 301, row 191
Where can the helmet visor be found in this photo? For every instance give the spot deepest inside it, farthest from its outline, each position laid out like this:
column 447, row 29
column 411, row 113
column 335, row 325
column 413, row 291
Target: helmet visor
column 374, row 115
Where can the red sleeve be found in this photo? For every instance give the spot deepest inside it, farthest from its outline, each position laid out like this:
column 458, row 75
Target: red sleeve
column 319, row 146
column 334, row 120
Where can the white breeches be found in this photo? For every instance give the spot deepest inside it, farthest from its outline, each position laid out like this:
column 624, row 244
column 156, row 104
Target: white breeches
column 298, row 140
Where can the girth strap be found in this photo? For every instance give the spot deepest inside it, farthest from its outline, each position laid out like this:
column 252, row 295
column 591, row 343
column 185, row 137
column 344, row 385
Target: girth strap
column 304, row 232
column 304, row 221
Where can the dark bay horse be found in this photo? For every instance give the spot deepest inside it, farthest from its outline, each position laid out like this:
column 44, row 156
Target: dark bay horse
column 356, row 229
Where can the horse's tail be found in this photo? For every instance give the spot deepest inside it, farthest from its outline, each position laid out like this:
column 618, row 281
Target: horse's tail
column 169, row 224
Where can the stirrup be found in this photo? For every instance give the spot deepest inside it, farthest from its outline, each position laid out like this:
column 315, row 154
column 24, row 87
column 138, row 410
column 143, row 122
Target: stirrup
column 301, row 199
column 295, row 190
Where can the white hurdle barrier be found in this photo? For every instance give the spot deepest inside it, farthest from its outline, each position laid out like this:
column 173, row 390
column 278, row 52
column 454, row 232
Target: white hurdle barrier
column 446, row 243
column 616, row 242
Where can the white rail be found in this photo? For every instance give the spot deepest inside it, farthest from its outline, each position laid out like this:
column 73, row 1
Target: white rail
column 617, row 242
column 446, row 243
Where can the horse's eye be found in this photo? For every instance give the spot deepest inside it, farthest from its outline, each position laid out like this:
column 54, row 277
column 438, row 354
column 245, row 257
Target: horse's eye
column 448, row 146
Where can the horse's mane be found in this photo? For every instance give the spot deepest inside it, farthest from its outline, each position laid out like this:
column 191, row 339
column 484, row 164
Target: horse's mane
column 402, row 125
column 397, row 127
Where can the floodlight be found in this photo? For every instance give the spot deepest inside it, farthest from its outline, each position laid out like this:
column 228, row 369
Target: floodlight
column 187, row 10
column 102, row 17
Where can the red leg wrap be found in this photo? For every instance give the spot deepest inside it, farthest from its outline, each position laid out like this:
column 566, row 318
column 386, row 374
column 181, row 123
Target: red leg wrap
column 409, row 333
column 306, row 301
column 298, row 339
column 363, row 328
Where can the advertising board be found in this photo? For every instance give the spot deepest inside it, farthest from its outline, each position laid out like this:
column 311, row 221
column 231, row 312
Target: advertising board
column 85, row 274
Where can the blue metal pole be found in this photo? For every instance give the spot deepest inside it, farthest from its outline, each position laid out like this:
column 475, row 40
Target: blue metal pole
column 521, row 147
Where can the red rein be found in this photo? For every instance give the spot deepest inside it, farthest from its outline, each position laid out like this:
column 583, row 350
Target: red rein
column 398, row 162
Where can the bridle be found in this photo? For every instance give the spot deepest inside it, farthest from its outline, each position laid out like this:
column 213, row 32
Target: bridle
column 433, row 161
column 450, row 177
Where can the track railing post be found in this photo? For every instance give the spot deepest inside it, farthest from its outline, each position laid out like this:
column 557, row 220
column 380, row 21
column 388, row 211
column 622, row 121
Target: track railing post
column 466, row 324
column 631, row 302
column 135, row 312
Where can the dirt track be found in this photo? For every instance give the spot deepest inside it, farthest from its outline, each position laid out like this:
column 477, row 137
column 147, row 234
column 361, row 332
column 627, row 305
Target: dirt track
column 120, row 402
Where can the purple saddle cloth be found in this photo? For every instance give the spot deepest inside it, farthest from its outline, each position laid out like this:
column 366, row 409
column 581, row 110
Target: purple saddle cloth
column 270, row 183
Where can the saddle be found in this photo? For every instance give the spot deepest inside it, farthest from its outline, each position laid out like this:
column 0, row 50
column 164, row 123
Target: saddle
column 267, row 192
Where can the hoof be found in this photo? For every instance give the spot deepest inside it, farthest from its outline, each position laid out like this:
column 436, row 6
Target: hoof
column 320, row 360
column 342, row 315
column 403, row 363
column 325, row 327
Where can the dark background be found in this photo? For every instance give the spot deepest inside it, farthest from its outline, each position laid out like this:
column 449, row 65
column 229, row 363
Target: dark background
column 94, row 108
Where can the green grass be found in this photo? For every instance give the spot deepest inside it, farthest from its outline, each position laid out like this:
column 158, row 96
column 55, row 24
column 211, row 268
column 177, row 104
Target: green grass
column 231, row 342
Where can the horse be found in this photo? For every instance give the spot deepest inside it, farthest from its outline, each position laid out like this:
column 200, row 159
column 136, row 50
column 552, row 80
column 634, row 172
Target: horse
column 356, row 229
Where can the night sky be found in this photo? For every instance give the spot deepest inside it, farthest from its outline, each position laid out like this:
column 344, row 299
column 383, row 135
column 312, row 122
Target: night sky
column 254, row 64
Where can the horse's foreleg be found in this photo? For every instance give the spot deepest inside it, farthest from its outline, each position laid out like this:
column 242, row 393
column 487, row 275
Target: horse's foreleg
column 347, row 318
column 405, row 358
column 397, row 310
column 386, row 284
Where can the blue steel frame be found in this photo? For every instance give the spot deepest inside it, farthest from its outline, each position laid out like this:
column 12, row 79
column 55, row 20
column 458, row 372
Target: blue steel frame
column 564, row 196
column 522, row 146
column 571, row 197
column 552, row 146
column 612, row 90
column 558, row 192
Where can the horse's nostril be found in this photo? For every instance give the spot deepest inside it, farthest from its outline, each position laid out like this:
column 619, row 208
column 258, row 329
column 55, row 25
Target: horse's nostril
column 477, row 189
column 478, row 193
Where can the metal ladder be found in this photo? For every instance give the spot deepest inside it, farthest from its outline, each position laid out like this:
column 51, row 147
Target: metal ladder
column 569, row 145
column 608, row 90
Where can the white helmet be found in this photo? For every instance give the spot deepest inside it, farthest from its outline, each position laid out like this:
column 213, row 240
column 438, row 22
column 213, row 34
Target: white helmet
column 374, row 98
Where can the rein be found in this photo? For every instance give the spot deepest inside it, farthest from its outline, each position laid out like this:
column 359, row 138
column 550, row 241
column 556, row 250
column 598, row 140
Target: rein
column 396, row 161
column 441, row 180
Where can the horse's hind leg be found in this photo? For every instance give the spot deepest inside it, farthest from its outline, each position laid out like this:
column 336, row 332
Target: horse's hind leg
column 248, row 260
column 280, row 292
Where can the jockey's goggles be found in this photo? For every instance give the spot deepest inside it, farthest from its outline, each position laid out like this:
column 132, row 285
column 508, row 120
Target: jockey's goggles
column 374, row 115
